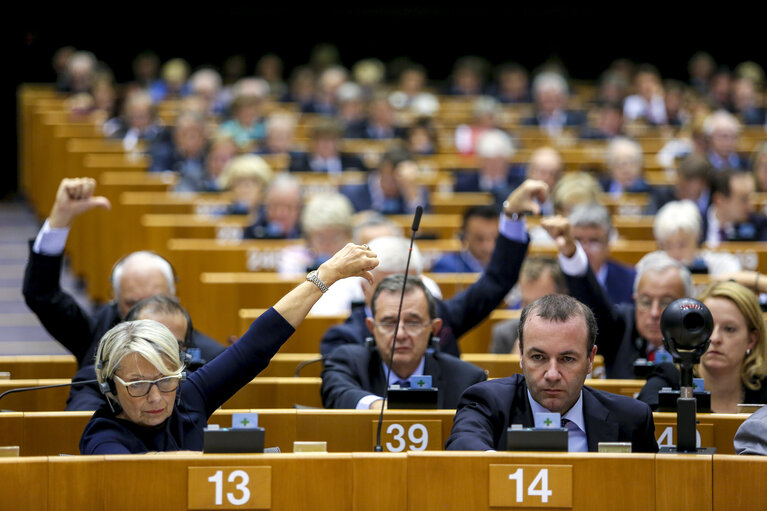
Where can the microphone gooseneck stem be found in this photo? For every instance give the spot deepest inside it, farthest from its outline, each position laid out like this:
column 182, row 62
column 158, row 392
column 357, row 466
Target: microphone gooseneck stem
column 416, row 223
column 41, row 387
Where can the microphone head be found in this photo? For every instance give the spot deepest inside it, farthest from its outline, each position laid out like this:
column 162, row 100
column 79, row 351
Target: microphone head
column 417, row 218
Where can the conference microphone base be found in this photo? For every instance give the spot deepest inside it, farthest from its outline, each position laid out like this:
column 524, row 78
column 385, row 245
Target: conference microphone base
column 699, row 450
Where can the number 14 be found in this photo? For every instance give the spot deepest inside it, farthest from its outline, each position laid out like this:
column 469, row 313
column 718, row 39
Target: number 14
column 542, row 478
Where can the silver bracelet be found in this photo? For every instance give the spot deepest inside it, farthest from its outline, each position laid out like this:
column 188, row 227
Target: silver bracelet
column 314, row 278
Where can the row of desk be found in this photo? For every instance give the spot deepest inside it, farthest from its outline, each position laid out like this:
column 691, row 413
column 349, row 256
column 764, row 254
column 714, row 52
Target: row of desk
column 52, row 433
column 366, row 481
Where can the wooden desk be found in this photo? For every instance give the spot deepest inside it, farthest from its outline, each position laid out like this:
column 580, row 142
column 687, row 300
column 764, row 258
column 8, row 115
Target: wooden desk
column 38, row 366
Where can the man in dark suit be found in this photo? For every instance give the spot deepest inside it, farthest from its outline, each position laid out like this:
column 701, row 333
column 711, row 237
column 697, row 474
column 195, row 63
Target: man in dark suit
column 135, row 277
column 355, row 376
column 479, row 232
column 392, row 189
column 466, row 309
column 325, row 156
column 692, row 183
column 626, row 331
column 730, row 216
column 557, row 339
column 592, row 227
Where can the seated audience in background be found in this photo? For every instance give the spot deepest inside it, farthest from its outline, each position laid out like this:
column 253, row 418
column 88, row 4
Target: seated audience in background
column 301, row 88
column 247, row 125
column 626, row 332
column 150, row 408
column 392, row 189
column 352, row 297
column 607, row 123
column 172, row 84
column 351, row 107
column 466, row 309
column 138, row 121
column 280, row 218
column 468, row 77
column 325, row 95
column 369, row 225
column 137, row 276
column 411, row 83
column 545, row 165
column 269, row 68
column 486, row 117
column 495, row 174
column 59, row 62
column 692, row 183
column 512, row 84
column 624, row 163
column 730, row 216
column 551, row 114
column 378, row 124
column 146, row 68
column 479, row 230
column 647, row 103
column 677, row 229
column 247, row 177
column 80, row 74
column 720, row 89
column 759, row 167
column 326, row 226
column 355, row 376
column 722, row 130
column 557, row 337
column 592, row 228
column 222, row 150
column 613, row 87
column 324, row 155
column 280, row 133
column 734, row 367
column 539, row 276
column 701, row 67
column 751, row 437
column 746, row 102
column 161, row 308
column 422, row 137
column 677, row 114
column 183, row 152
column 572, row 190
column 205, row 83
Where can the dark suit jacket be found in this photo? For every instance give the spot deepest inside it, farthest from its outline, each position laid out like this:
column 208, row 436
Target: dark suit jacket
column 353, row 372
column 363, row 129
column 617, row 340
column 572, row 118
column 362, row 199
column 753, row 229
column 455, row 262
column 468, row 181
column 301, row 162
column 460, row 313
column 619, row 282
column 488, row 409
column 74, row 328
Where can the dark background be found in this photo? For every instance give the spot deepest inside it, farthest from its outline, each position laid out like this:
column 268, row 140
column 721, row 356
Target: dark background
column 585, row 38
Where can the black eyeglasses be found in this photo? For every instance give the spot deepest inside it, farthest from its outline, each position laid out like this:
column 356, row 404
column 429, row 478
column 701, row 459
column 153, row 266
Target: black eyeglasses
column 142, row 387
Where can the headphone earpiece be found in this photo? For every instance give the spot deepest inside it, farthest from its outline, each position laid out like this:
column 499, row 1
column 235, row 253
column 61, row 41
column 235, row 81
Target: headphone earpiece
column 434, row 343
column 370, row 343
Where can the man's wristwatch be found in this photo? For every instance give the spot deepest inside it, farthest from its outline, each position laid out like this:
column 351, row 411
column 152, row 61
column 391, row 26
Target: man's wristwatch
column 315, row 279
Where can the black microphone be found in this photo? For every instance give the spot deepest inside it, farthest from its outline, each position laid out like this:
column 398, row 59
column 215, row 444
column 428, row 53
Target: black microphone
column 41, row 387
column 416, row 224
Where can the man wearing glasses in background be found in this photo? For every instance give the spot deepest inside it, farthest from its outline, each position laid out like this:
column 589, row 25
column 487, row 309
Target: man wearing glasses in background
column 354, row 376
column 626, row 332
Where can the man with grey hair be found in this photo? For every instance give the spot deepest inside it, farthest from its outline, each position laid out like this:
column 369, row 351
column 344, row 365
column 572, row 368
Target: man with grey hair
column 722, row 130
column 626, row 332
column 624, row 162
column 592, row 228
column 495, row 174
column 466, row 309
column 551, row 114
column 135, row 277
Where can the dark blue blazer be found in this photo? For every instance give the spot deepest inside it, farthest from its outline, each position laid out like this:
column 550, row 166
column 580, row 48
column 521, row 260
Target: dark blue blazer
column 362, row 129
column 617, row 338
column 638, row 186
column 455, row 262
column 460, row 313
column 362, row 200
column 486, row 410
column 353, row 372
column 301, row 162
column 619, row 282
column 572, row 118
column 469, row 182
column 754, row 229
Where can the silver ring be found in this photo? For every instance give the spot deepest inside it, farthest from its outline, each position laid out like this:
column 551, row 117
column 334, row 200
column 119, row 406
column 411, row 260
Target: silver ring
column 365, row 246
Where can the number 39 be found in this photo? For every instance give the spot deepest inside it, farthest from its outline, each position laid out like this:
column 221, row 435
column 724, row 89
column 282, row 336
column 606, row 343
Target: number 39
column 417, row 434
